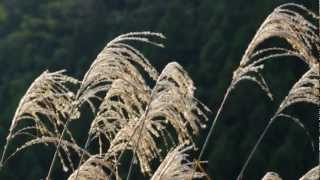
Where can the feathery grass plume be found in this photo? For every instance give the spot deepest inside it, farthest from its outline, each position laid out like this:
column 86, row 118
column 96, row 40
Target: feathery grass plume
column 307, row 90
column 177, row 165
column 286, row 23
column 282, row 23
column 173, row 99
column 144, row 146
column 48, row 97
column 116, row 61
column 92, row 169
column 171, row 104
column 124, row 101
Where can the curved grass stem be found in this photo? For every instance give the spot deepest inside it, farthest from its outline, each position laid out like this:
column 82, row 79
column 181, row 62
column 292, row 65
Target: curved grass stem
column 86, row 145
column 215, row 122
column 226, row 95
column 255, row 147
column 4, row 151
column 131, row 166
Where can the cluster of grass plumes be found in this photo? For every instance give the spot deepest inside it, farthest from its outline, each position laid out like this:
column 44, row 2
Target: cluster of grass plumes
column 158, row 124
column 130, row 116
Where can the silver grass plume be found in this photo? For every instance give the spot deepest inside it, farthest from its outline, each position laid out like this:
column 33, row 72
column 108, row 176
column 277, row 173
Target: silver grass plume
column 124, row 101
column 284, row 23
column 48, row 96
column 305, row 90
column 303, row 37
column 116, row 61
column 172, row 104
column 177, row 165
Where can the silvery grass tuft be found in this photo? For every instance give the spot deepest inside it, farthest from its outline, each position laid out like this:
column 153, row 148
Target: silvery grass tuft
column 45, row 106
column 286, row 23
column 114, row 62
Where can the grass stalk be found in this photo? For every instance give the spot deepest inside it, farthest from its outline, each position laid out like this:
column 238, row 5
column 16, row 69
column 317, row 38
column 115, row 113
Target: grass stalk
column 255, row 147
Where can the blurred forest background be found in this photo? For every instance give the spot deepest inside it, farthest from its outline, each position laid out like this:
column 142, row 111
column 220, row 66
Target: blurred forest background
column 208, row 37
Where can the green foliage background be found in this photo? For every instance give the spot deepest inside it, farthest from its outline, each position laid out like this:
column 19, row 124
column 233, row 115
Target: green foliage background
column 207, row 37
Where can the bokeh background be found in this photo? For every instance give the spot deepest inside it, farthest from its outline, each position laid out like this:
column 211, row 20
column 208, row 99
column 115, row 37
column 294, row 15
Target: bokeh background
column 208, row 37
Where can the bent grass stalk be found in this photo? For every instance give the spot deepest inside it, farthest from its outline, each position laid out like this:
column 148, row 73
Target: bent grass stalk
column 262, row 135
column 206, row 142
column 214, row 122
column 240, row 176
column 86, row 145
column 5, row 150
